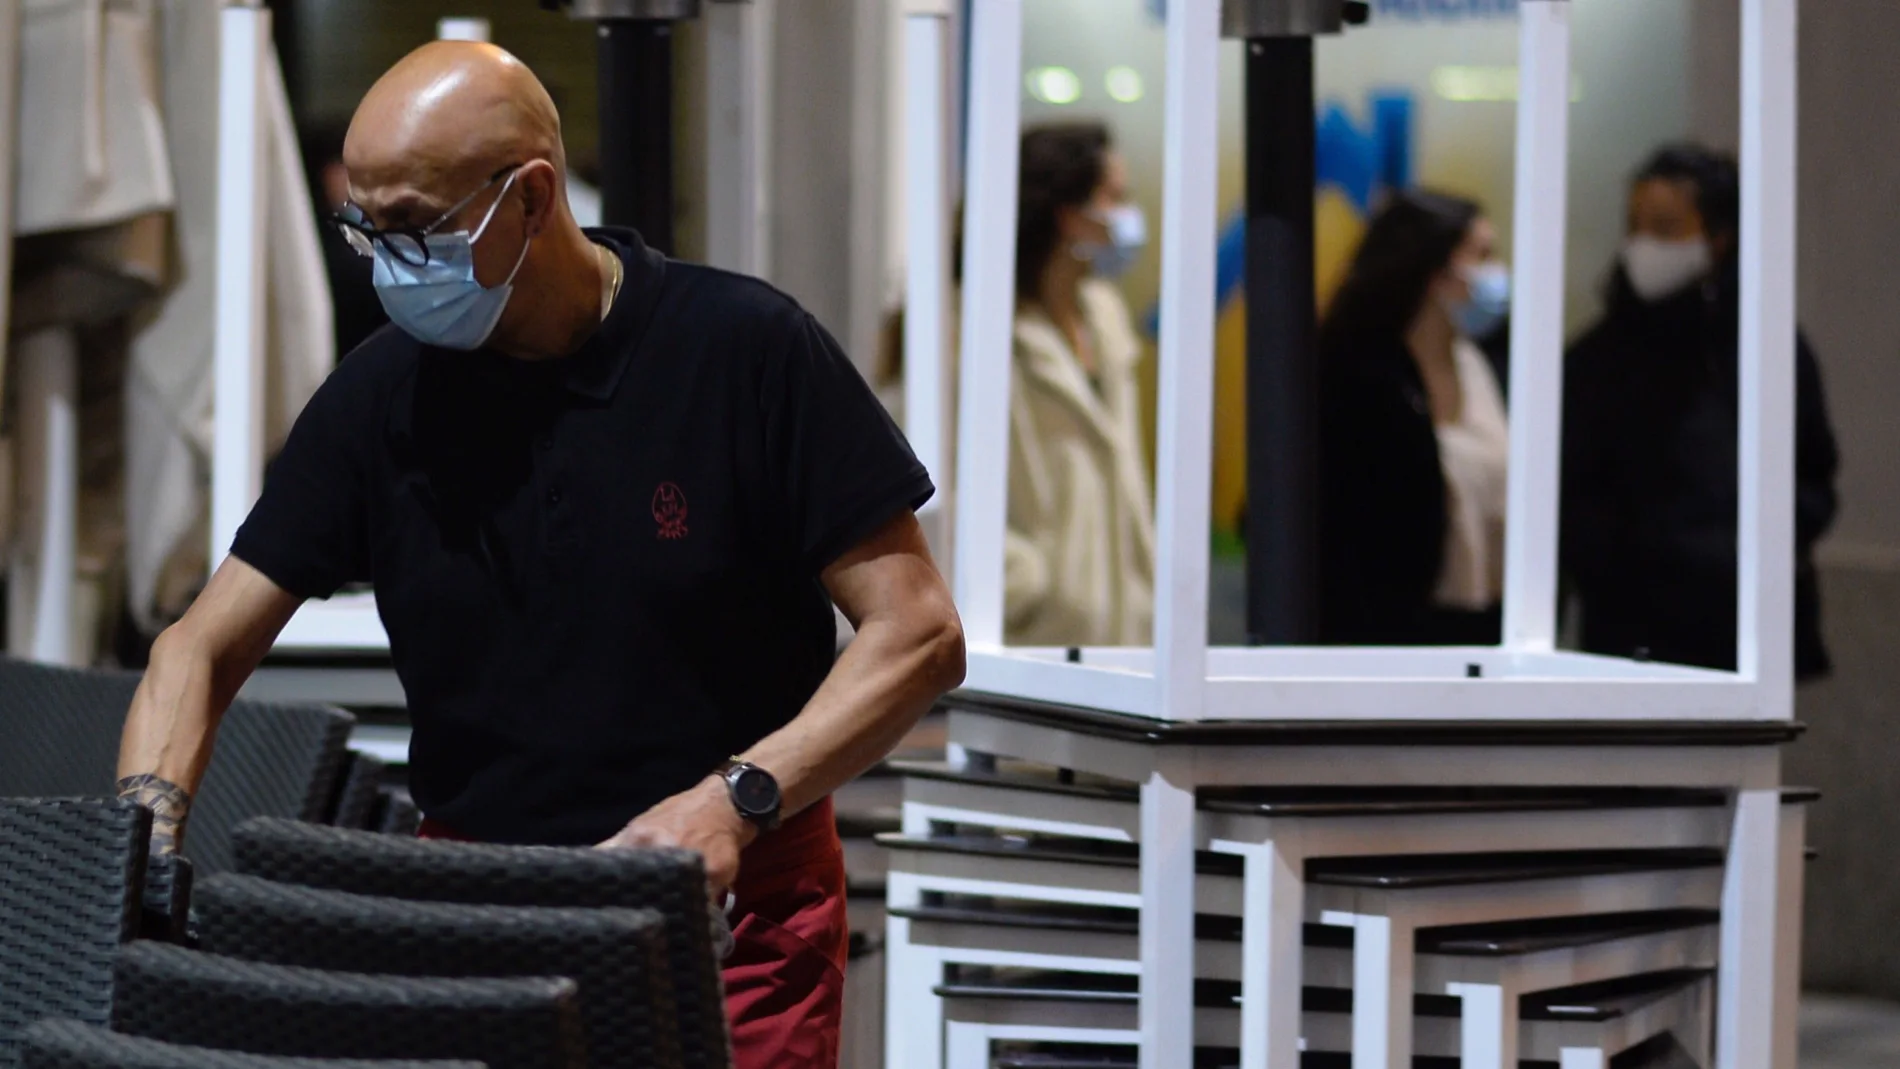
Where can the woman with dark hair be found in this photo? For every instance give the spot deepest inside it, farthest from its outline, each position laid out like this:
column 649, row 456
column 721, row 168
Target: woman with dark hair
column 1414, row 442
column 1651, row 430
column 1080, row 540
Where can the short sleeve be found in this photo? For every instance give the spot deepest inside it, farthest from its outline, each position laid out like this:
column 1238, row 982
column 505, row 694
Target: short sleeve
column 840, row 467
column 308, row 532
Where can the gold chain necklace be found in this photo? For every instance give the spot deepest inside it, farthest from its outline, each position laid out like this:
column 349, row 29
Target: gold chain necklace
column 610, row 277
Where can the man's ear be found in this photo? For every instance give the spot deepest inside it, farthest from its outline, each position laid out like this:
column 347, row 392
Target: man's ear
column 538, row 188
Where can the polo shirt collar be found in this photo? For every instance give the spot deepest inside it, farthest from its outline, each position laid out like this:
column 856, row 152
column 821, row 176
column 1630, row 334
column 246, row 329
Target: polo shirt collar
column 595, row 370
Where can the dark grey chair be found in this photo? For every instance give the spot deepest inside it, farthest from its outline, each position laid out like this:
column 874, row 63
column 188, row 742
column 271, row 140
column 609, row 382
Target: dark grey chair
column 673, row 882
column 70, row 875
column 395, row 813
column 62, row 728
column 182, row 996
column 166, row 900
column 72, row 1045
column 617, row 956
column 357, row 791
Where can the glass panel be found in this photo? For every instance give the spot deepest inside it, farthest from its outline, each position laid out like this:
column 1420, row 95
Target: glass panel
column 1424, row 96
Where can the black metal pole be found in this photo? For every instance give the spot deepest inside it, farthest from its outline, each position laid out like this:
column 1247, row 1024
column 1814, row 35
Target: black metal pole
column 1282, row 355
column 286, row 36
column 636, row 127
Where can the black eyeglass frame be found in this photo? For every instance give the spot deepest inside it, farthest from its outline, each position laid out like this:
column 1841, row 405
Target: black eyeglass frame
column 406, row 243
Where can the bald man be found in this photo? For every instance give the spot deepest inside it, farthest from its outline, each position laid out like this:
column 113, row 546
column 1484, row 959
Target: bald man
column 606, row 501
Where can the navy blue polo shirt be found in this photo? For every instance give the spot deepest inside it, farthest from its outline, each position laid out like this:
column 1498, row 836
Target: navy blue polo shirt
column 599, row 575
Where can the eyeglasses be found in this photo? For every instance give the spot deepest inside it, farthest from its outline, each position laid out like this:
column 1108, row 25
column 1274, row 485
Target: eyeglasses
column 406, row 243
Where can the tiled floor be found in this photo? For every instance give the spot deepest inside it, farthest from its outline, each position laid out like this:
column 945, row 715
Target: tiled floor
column 1849, row 1033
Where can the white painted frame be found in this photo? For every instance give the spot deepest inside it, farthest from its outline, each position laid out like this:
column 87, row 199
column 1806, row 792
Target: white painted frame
column 237, row 465
column 1179, row 677
column 927, row 121
column 739, row 134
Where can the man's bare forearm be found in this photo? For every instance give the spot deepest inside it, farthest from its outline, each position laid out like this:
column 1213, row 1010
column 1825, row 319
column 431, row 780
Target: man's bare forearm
column 196, row 668
column 168, row 733
column 887, row 679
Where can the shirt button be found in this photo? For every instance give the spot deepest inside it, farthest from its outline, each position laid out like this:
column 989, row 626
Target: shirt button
column 554, row 495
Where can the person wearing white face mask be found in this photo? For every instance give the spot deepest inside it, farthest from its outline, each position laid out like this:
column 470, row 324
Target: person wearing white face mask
column 1080, row 537
column 1650, row 433
column 1414, row 440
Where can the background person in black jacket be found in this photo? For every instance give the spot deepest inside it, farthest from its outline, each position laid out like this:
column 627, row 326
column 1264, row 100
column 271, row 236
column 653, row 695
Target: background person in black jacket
column 1414, row 443
column 1651, row 431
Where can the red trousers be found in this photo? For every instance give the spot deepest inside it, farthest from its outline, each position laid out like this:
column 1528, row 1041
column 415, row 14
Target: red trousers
column 785, row 978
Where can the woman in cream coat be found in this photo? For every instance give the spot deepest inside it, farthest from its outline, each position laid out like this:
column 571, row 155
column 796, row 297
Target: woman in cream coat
column 1080, row 548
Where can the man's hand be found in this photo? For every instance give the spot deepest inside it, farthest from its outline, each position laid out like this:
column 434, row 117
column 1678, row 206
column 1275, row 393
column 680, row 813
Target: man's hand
column 700, row 818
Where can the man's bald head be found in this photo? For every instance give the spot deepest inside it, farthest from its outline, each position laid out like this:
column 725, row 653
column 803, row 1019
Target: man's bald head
column 461, row 123
column 440, row 122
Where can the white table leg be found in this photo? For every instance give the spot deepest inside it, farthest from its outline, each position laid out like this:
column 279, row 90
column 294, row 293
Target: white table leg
column 967, row 1045
column 1381, row 993
column 1488, row 1029
column 913, row 1014
column 49, row 455
column 1582, row 1058
column 1167, row 922
column 1701, row 1046
column 1790, row 898
column 1747, row 992
column 1271, row 949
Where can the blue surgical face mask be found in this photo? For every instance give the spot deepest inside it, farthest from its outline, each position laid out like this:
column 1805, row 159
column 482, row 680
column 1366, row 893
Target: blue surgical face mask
column 1490, row 300
column 440, row 303
column 1127, row 236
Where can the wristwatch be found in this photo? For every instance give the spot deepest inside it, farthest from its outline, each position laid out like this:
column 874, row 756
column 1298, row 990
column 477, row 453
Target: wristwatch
column 754, row 792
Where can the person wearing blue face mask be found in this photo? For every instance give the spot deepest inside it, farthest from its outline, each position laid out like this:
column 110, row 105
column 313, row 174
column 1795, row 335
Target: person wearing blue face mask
column 607, row 502
column 1414, row 440
column 1079, row 561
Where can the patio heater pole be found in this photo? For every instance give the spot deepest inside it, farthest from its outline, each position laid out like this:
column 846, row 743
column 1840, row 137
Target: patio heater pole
column 1282, row 358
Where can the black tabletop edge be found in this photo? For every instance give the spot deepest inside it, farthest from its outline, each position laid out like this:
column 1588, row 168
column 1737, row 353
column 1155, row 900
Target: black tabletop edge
column 1124, row 727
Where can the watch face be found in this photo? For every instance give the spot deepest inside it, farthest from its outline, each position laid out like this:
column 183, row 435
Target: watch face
column 755, row 792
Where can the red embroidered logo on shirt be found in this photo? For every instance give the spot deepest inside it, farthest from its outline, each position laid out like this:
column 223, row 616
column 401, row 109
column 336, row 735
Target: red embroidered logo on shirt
column 669, row 510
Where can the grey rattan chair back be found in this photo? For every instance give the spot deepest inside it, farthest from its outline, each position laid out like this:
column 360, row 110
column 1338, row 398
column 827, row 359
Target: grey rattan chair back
column 395, row 813
column 70, row 879
column 357, row 789
column 62, row 729
column 618, row 956
column 72, row 1045
column 672, row 882
column 167, row 897
column 182, row 996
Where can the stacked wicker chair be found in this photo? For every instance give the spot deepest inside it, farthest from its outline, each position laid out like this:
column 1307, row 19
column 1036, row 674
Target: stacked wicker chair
column 332, row 945
column 71, row 1045
column 70, row 889
column 62, row 740
column 327, row 946
column 670, row 885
